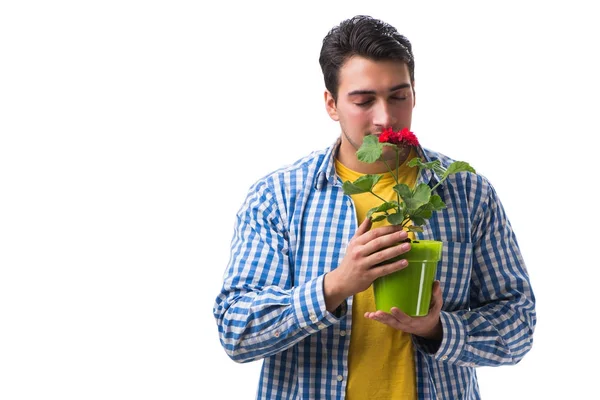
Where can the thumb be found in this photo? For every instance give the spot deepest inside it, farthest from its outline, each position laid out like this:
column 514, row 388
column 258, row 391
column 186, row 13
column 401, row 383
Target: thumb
column 437, row 301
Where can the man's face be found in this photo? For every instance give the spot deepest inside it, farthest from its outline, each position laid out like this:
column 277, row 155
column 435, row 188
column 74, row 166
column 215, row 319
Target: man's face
column 372, row 95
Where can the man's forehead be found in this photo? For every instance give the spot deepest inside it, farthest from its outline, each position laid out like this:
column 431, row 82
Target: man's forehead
column 369, row 91
column 363, row 74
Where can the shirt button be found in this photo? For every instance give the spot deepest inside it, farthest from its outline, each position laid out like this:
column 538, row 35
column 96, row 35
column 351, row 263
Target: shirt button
column 313, row 318
column 471, row 364
column 276, row 334
column 321, row 326
column 444, row 358
column 342, row 333
column 340, row 378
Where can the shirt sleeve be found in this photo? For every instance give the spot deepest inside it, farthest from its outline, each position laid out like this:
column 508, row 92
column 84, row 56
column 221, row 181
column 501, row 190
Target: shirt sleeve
column 259, row 311
column 498, row 326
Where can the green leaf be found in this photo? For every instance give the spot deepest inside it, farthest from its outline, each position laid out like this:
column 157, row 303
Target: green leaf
column 421, row 195
column 413, row 228
column 435, row 165
column 458, row 166
column 416, row 162
column 396, row 219
column 370, row 150
column 414, row 199
column 437, row 203
column 388, row 205
column 425, row 211
column 418, row 220
column 364, row 184
column 403, row 191
column 384, row 207
column 418, row 197
column 350, row 188
column 379, row 218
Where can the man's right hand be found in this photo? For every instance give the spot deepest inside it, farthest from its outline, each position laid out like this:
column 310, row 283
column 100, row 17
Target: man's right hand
column 358, row 269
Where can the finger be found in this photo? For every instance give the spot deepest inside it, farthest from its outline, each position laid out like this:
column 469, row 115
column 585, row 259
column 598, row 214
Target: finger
column 363, row 228
column 434, row 289
column 384, row 318
column 436, row 297
column 377, row 271
column 378, row 256
column 400, row 316
column 383, row 231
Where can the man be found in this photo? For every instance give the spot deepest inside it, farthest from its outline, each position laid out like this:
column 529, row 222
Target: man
column 298, row 288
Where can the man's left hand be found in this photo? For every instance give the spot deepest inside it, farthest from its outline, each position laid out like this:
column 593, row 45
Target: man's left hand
column 428, row 327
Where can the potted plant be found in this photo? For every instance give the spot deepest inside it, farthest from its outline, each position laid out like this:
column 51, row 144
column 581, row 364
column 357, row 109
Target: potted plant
column 410, row 288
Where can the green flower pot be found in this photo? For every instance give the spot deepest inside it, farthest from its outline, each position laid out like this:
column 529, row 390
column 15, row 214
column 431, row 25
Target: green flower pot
column 410, row 288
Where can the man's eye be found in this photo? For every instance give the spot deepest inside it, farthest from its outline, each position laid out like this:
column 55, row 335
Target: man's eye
column 398, row 98
column 364, row 103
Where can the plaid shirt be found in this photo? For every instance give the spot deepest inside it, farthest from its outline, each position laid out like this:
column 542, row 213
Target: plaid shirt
column 294, row 227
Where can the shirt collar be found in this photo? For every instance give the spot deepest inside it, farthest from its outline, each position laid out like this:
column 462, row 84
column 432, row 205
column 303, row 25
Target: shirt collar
column 326, row 173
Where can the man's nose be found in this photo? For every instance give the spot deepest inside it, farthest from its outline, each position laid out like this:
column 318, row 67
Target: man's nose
column 383, row 117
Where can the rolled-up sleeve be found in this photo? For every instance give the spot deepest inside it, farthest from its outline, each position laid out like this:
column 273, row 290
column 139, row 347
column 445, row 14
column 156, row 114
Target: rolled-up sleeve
column 259, row 312
column 498, row 326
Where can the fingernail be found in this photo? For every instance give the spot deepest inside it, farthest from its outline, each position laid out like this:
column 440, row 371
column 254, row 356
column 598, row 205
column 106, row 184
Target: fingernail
column 405, row 246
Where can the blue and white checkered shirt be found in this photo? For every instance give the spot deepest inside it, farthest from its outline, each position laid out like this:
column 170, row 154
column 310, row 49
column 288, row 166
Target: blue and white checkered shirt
column 294, row 227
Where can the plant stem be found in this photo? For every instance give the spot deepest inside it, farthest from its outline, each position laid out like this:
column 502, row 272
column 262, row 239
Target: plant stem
column 391, row 172
column 397, row 171
column 437, row 184
column 380, row 198
column 419, row 170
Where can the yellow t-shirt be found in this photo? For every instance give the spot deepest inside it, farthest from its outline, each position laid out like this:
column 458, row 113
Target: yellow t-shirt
column 381, row 361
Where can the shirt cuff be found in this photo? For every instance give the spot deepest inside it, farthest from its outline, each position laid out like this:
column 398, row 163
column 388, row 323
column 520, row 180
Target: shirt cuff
column 452, row 343
column 310, row 308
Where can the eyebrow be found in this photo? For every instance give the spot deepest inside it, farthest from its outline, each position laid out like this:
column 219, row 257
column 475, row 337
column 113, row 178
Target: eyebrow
column 392, row 89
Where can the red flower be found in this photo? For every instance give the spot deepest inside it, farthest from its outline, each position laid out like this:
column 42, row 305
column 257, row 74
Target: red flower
column 407, row 137
column 402, row 137
column 386, row 135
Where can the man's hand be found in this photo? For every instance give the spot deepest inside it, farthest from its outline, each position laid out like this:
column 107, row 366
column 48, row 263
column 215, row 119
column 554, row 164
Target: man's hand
column 428, row 327
column 358, row 269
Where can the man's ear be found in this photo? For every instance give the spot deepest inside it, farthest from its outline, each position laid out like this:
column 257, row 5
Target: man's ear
column 331, row 106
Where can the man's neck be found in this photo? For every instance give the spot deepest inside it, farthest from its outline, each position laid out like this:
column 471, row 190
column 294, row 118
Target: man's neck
column 346, row 154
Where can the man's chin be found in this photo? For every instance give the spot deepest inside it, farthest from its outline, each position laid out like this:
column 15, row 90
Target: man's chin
column 389, row 154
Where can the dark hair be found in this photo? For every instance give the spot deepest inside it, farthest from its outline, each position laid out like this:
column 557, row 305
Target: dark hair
column 362, row 36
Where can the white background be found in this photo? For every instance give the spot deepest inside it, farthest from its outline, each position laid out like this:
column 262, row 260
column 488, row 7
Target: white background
column 131, row 131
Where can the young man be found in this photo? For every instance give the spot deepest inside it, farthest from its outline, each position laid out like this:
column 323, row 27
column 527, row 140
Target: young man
column 298, row 288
